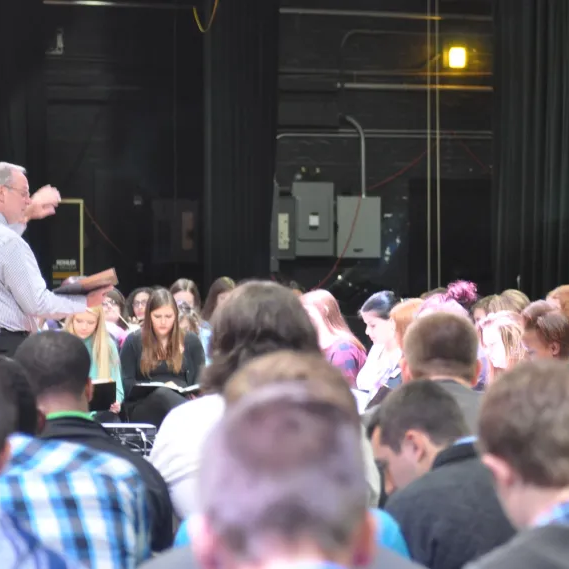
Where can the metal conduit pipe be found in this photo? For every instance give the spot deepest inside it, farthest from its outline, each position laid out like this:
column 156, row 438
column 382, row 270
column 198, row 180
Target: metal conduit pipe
column 116, row 4
column 363, row 152
column 382, row 14
column 389, row 134
column 414, row 87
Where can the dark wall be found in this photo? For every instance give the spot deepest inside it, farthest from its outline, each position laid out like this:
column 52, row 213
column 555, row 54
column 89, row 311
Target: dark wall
column 320, row 51
column 125, row 126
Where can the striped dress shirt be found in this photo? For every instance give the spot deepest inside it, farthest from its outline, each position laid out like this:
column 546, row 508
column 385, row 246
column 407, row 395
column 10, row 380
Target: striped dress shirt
column 23, row 293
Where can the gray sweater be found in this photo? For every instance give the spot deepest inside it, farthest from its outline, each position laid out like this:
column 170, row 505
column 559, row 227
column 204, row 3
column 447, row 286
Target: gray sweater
column 539, row 548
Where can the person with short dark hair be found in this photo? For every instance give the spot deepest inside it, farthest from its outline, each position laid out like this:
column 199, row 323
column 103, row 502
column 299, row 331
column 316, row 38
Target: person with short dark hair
column 57, row 364
column 269, row 495
column 524, row 439
column 443, row 347
column 445, row 505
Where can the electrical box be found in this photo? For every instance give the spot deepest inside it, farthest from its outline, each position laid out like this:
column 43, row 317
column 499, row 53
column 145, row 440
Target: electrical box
column 314, row 219
column 285, row 246
column 365, row 242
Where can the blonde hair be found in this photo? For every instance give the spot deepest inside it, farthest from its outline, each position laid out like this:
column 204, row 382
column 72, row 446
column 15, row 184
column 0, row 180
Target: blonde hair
column 329, row 310
column 561, row 295
column 102, row 354
column 510, row 326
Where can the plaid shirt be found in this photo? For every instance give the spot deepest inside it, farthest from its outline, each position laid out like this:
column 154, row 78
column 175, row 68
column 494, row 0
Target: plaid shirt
column 20, row 550
column 559, row 515
column 348, row 357
column 89, row 505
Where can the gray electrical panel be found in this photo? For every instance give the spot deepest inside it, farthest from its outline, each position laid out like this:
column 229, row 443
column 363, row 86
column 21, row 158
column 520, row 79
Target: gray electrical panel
column 285, row 235
column 365, row 242
column 314, row 219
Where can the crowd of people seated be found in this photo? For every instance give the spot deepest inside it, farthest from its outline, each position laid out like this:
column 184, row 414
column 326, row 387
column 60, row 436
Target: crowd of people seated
column 282, row 441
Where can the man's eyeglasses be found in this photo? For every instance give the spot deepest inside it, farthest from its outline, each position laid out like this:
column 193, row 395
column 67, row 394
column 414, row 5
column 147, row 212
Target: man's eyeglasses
column 23, row 193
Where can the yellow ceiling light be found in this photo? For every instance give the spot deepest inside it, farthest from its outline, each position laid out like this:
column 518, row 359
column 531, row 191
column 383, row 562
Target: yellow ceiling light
column 457, row 57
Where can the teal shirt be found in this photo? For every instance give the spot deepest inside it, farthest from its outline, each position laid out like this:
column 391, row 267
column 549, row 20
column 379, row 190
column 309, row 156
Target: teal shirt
column 114, row 364
column 387, row 534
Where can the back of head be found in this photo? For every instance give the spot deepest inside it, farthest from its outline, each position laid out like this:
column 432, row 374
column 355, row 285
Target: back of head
column 15, row 386
column 260, row 317
column 517, row 298
column 549, row 324
column 463, row 292
column 57, row 363
column 523, row 421
column 560, row 298
column 422, row 406
column 403, row 315
column 321, row 379
column 441, row 345
column 441, row 303
column 8, row 420
column 282, row 469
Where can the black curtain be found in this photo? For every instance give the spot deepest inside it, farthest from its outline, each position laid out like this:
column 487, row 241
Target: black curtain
column 23, row 103
column 241, row 92
column 532, row 144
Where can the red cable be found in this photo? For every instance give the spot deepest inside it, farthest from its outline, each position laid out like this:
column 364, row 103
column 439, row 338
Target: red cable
column 353, row 227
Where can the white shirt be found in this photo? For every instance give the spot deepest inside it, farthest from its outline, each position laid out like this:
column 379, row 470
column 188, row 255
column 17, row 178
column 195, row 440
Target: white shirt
column 178, row 447
column 177, row 450
column 23, row 293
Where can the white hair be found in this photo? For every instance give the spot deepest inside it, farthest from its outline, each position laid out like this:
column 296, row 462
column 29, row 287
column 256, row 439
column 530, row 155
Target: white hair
column 6, row 171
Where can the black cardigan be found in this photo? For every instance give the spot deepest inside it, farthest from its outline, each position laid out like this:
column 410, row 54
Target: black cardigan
column 131, row 353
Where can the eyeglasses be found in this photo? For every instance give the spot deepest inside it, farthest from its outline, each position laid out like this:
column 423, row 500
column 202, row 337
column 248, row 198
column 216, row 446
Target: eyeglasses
column 140, row 303
column 110, row 303
column 23, row 193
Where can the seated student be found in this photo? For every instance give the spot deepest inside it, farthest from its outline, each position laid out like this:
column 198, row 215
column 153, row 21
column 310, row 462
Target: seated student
column 85, row 504
column 58, row 365
column 445, row 503
column 257, row 318
column 329, row 383
column 159, row 352
column 443, row 347
column 90, row 327
column 524, row 438
column 18, row 548
column 271, row 496
column 336, row 340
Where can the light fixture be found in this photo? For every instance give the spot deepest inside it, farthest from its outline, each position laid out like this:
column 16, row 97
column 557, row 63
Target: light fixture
column 457, row 57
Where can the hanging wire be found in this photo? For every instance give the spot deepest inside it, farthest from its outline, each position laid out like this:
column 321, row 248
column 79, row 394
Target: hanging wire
column 206, row 29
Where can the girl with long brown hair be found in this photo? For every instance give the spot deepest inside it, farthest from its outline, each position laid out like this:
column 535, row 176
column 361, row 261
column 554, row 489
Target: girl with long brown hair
column 336, row 340
column 160, row 352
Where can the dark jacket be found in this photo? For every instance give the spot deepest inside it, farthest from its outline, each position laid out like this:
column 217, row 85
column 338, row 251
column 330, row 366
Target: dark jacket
column 92, row 434
column 539, row 548
column 468, row 400
column 451, row 515
column 184, row 559
column 131, row 353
